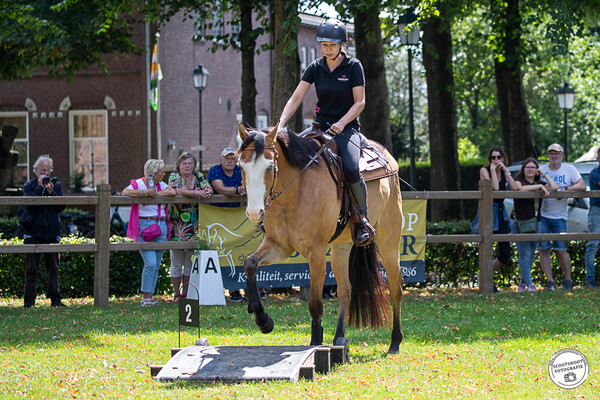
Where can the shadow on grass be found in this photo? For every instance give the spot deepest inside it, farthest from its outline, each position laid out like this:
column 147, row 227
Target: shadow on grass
column 427, row 318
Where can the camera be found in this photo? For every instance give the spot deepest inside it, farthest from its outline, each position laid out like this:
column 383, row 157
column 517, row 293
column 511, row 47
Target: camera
column 48, row 179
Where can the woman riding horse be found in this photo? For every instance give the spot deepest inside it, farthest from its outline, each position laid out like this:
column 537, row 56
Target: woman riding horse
column 340, row 84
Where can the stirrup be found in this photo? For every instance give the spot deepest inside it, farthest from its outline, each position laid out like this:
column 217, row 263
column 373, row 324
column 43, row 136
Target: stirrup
column 363, row 232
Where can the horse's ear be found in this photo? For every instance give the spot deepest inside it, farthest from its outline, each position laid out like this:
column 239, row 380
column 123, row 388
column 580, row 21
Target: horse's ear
column 243, row 133
column 271, row 136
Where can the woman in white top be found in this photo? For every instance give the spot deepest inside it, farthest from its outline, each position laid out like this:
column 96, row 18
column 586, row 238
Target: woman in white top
column 144, row 215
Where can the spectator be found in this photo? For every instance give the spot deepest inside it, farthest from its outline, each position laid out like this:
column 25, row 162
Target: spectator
column 143, row 216
column 593, row 226
column 554, row 214
column 41, row 224
column 498, row 173
column 528, row 179
column 226, row 177
column 183, row 219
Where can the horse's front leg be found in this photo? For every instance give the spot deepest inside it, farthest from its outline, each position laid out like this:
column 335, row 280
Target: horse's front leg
column 339, row 265
column 268, row 252
column 318, row 265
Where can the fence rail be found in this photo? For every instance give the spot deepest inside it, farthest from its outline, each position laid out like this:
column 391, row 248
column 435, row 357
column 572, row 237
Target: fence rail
column 103, row 202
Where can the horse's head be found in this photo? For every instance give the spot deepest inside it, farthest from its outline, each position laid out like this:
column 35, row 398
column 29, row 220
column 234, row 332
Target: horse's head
column 258, row 160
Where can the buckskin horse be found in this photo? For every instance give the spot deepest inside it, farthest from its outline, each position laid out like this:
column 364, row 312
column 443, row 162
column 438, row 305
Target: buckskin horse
column 297, row 201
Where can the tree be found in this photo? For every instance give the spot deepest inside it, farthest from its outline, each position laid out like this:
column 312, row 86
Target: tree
column 286, row 65
column 443, row 138
column 516, row 126
column 64, row 36
column 375, row 119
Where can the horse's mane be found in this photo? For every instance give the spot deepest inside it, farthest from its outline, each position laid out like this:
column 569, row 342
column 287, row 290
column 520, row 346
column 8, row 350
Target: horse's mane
column 297, row 150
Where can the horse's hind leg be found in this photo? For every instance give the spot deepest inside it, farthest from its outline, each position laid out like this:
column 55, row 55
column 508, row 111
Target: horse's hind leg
column 388, row 239
column 268, row 252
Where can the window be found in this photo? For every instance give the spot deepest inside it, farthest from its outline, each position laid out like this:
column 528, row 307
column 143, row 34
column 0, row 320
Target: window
column 217, row 24
column 261, row 122
column 303, row 58
column 199, row 27
column 236, row 28
column 88, row 133
column 313, row 54
column 20, row 145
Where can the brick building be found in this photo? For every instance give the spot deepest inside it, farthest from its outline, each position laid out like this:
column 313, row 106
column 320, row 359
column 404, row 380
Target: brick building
column 102, row 126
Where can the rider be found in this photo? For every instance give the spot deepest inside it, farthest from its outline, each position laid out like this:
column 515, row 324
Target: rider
column 340, row 85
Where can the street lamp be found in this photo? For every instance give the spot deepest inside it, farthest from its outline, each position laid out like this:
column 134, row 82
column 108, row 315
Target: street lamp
column 566, row 96
column 200, row 76
column 410, row 38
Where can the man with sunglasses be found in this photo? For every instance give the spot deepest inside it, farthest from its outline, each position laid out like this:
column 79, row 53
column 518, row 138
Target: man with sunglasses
column 554, row 214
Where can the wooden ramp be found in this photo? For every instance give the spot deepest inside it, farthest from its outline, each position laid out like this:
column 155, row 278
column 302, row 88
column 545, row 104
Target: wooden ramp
column 248, row 363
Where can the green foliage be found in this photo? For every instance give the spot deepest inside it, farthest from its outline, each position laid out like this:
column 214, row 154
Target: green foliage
column 467, row 150
column 76, row 181
column 8, row 226
column 64, row 37
column 469, row 171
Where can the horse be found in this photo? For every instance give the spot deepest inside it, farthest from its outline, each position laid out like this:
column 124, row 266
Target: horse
column 303, row 217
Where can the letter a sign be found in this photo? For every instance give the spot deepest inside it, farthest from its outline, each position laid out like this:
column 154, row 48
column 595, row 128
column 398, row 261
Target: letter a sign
column 206, row 275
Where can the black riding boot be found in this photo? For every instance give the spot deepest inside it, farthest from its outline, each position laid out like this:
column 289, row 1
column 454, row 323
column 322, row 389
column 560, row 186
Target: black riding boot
column 363, row 232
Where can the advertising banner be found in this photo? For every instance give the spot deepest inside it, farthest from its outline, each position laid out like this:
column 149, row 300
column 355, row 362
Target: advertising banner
column 235, row 237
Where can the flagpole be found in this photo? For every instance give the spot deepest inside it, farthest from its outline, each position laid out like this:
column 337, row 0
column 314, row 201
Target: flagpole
column 158, row 138
column 147, row 87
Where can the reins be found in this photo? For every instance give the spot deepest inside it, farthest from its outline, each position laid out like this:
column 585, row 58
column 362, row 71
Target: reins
column 272, row 196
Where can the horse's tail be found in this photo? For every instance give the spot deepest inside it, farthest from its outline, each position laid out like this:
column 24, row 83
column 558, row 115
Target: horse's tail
column 369, row 302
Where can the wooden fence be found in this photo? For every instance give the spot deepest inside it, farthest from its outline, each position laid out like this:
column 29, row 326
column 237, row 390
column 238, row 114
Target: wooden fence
column 103, row 201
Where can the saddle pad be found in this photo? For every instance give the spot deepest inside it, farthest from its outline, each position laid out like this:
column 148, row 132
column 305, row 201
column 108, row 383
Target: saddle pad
column 373, row 165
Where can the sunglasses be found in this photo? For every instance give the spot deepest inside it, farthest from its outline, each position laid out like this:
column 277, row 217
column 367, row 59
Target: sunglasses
column 496, row 157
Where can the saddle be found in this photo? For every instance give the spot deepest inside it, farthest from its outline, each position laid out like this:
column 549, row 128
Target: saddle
column 373, row 166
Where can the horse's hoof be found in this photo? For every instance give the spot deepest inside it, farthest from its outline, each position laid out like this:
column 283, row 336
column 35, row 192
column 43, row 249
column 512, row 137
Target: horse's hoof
column 265, row 326
column 394, row 346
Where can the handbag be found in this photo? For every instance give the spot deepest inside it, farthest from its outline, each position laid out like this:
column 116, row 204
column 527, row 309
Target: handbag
column 527, row 226
column 150, row 233
column 153, row 231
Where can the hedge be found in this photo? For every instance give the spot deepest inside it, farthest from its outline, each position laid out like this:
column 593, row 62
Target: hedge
column 76, row 272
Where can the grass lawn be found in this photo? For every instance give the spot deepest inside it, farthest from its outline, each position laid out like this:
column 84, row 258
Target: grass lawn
column 456, row 344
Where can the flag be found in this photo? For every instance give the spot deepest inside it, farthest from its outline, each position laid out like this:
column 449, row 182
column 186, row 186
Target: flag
column 155, row 77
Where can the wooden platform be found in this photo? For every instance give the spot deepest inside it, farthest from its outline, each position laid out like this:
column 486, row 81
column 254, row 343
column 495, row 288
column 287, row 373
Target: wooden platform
column 248, row 363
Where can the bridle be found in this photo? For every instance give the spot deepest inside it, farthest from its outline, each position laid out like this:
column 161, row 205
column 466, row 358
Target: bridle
column 272, row 196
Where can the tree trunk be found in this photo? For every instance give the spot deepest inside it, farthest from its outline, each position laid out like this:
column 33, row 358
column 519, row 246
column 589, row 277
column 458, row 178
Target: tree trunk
column 248, row 47
column 286, row 61
column 375, row 118
column 516, row 126
column 445, row 169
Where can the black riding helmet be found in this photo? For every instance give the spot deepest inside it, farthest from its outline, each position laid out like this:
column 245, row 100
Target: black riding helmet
column 332, row 30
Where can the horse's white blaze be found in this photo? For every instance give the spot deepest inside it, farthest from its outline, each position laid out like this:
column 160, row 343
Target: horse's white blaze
column 256, row 189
